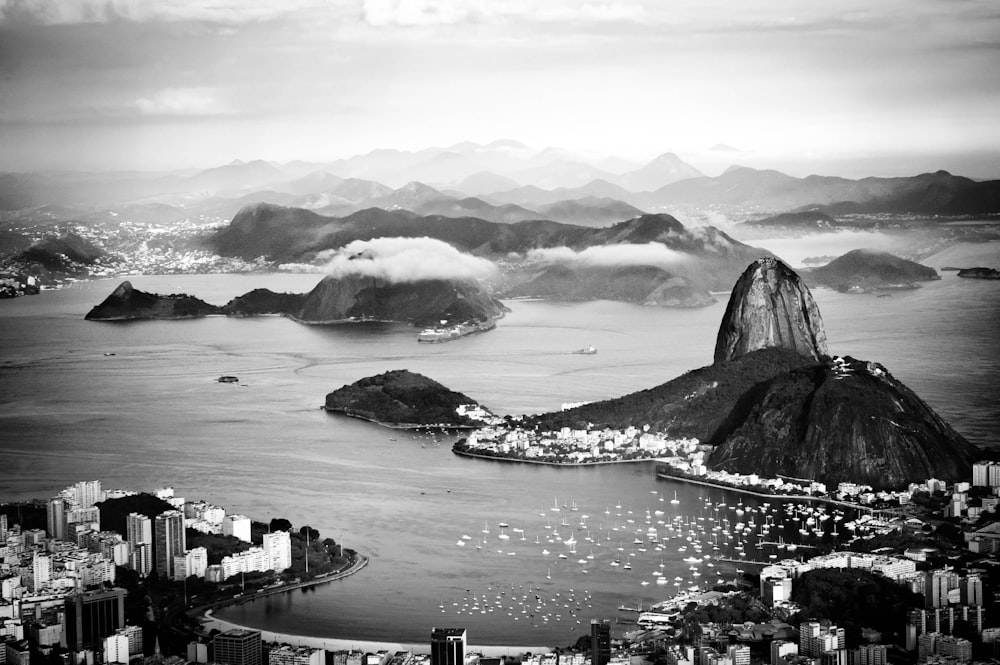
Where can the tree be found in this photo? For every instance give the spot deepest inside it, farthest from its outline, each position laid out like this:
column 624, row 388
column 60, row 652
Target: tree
column 280, row 524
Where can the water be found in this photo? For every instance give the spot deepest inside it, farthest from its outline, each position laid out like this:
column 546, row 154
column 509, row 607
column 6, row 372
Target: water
column 153, row 415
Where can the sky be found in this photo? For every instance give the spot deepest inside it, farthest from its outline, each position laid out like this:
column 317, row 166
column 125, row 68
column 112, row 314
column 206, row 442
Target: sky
column 852, row 87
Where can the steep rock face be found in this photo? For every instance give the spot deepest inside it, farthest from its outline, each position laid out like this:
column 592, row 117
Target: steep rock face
column 770, row 306
column 127, row 302
column 421, row 303
column 838, row 421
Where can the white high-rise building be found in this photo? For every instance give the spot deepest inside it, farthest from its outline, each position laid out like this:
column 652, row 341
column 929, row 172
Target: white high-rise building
column 88, row 492
column 278, row 550
column 139, row 530
column 41, row 570
column 116, row 648
column 193, row 562
column 237, row 526
column 168, row 530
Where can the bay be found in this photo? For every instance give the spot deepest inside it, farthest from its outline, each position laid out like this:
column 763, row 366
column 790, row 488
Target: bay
column 153, row 414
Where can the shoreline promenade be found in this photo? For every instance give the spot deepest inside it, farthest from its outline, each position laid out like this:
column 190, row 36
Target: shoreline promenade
column 206, row 617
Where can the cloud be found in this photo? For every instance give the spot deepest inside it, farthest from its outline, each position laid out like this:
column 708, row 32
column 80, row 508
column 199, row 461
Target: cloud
column 648, row 254
column 65, row 12
column 406, row 260
column 446, row 12
column 181, row 101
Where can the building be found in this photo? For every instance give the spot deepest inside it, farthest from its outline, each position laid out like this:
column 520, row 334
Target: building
column 780, row 649
column 448, row 646
column 939, row 583
column 237, row 647
column 87, row 492
column 287, row 655
column 278, row 550
column 193, row 562
column 870, row 654
column 237, row 526
column 169, row 534
column 55, row 514
column 93, row 615
column 600, row 642
column 816, row 639
column 738, row 654
column 116, row 648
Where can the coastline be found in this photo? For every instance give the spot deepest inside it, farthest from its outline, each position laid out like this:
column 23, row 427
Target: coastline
column 435, row 426
column 206, row 617
column 516, row 460
column 763, row 495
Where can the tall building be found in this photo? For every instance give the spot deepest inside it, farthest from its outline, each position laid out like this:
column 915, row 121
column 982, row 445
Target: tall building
column 139, row 533
column 237, row 526
column 278, row 550
column 871, row 654
column 971, row 589
column 168, row 530
column 88, row 492
column 41, row 570
column 939, row 583
column 55, row 513
column 193, row 562
column 816, row 639
column 780, row 649
column 3, row 528
column 447, row 646
column 738, row 654
column 600, row 642
column 93, row 615
column 116, row 648
column 237, row 647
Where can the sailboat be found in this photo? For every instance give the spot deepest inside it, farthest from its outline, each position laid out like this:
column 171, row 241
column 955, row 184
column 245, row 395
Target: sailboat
column 675, row 500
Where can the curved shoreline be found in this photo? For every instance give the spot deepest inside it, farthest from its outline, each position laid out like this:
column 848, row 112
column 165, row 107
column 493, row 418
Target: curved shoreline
column 414, row 426
column 206, row 617
column 516, row 460
column 763, row 495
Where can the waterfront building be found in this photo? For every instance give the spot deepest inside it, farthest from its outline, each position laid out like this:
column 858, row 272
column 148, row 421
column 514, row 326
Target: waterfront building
column 278, row 550
column 287, row 655
column 780, row 649
column 93, row 615
column 237, row 526
column 600, row 642
column 170, row 541
column 448, row 646
column 193, row 562
column 237, row 647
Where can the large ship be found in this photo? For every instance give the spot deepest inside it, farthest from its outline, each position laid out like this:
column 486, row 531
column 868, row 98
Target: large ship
column 446, row 333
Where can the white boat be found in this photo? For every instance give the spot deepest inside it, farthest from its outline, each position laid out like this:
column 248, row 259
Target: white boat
column 586, row 351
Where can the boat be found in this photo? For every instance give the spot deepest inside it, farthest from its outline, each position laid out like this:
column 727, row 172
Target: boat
column 586, row 351
column 675, row 500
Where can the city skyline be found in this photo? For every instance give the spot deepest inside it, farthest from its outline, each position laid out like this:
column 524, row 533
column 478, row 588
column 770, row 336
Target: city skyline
column 855, row 90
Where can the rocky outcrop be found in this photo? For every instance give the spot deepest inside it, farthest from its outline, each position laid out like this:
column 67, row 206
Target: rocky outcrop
column 770, row 307
column 843, row 420
column 127, row 303
column 979, row 273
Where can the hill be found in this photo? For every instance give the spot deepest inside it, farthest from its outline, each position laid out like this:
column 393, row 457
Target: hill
column 400, row 398
column 864, row 270
column 128, row 303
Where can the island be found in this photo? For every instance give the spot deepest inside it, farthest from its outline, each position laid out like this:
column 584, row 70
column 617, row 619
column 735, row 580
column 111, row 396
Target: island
column 979, row 273
column 869, row 270
column 406, row 400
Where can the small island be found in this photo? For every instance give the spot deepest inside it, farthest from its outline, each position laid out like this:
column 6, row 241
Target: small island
column 979, row 273
column 869, row 270
column 406, row 400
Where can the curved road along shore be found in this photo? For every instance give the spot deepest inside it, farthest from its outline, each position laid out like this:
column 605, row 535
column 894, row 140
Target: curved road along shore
column 208, row 621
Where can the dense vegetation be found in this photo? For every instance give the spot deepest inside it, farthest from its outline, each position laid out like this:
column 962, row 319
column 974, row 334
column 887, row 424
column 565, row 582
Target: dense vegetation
column 400, row 397
column 115, row 511
column 854, row 599
column 695, row 404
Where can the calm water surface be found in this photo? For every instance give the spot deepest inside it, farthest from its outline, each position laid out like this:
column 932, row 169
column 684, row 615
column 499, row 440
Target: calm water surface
column 153, row 415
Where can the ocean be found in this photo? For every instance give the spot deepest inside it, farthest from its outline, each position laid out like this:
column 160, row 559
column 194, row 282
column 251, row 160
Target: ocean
column 137, row 405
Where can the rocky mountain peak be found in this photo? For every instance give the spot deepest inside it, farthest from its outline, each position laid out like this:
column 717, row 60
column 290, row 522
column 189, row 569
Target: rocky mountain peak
column 770, row 306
